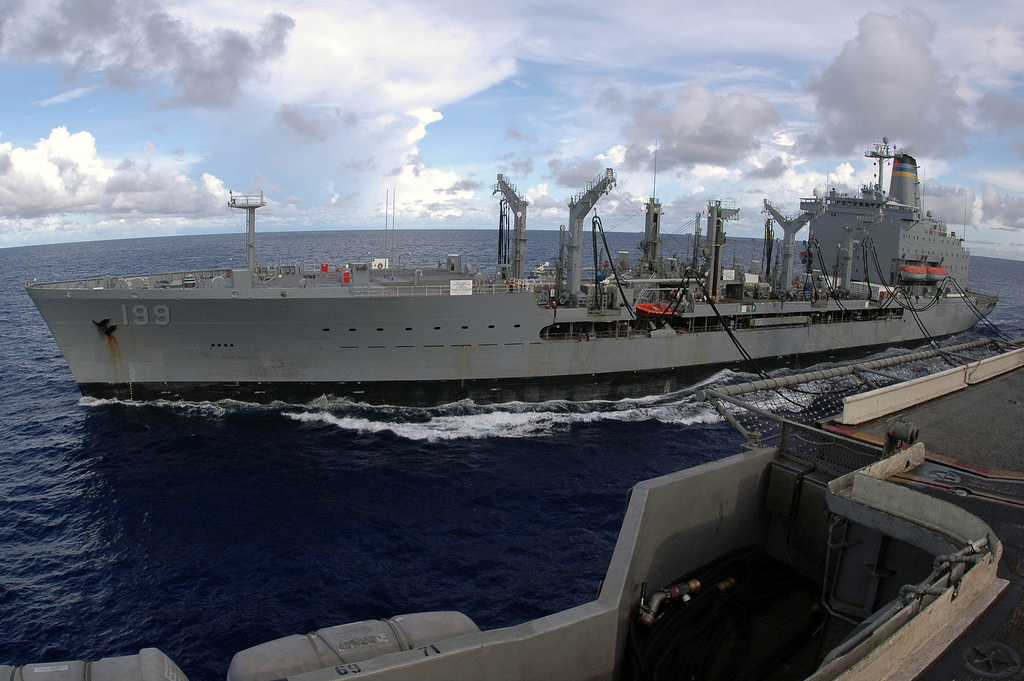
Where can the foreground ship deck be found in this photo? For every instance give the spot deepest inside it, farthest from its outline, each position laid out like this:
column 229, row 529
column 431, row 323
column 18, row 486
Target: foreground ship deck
column 831, row 550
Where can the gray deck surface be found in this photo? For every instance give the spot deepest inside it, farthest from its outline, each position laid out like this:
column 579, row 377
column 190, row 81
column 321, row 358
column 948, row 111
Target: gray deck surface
column 975, row 443
column 981, row 425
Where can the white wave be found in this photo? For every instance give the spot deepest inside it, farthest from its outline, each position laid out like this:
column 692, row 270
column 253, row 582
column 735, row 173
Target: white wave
column 495, row 424
column 516, row 420
column 96, row 402
column 464, row 419
column 206, row 409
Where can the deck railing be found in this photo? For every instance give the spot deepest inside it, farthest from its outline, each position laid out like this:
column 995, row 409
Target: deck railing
column 203, row 279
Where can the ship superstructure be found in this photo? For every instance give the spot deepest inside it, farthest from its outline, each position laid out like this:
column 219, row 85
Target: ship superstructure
column 613, row 330
column 845, row 231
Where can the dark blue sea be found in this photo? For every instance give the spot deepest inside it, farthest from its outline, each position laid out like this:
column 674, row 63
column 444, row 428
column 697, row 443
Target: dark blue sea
column 205, row 528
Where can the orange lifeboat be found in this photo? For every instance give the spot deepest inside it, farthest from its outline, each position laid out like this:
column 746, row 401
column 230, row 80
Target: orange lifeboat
column 654, row 310
column 913, row 272
column 935, row 272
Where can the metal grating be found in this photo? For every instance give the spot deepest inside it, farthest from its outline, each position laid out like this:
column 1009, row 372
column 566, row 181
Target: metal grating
column 758, row 410
column 833, row 454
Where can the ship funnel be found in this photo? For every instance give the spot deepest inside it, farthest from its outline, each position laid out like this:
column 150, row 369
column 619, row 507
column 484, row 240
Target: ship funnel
column 904, row 187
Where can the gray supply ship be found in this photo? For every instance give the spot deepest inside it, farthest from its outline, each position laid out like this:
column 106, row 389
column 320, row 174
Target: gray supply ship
column 879, row 271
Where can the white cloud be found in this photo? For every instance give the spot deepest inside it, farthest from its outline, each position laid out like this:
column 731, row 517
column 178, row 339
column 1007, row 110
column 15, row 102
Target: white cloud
column 1001, row 211
column 137, row 42
column 67, row 96
column 987, row 59
column 700, row 128
column 63, row 175
column 326, row 106
column 371, row 58
column 887, row 82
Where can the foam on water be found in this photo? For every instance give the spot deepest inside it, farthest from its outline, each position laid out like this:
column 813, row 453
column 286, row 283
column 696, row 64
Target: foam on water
column 464, row 419
column 509, row 423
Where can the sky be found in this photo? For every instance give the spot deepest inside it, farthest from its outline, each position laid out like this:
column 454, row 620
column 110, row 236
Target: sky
column 133, row 118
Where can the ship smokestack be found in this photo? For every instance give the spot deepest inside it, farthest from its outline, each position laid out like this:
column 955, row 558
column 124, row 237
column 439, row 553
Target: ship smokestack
column 904, row 187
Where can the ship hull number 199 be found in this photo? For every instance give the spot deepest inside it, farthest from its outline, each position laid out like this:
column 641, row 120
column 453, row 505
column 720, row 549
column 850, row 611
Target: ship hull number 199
column 140, row 315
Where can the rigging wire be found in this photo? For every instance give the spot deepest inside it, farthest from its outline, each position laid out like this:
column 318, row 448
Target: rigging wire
column 625, row 215
column 981, row 317
column 894, row 295
column 637, row 210
column 597, row 226
column 725, row 325
column 832, row 292
column 914, row 310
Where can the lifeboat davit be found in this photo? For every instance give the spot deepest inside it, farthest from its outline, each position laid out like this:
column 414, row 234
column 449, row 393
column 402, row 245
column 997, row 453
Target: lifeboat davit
column 913, row 272
column 935, row 272
column 654, row 310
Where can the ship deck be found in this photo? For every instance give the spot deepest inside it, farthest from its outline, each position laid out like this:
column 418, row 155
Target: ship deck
column 975, row 459
column 968, row 418
column 981, row 427
column 419, row 282
column 388, row 281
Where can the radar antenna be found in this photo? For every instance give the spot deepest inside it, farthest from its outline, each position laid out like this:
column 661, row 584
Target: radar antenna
column 882, row 152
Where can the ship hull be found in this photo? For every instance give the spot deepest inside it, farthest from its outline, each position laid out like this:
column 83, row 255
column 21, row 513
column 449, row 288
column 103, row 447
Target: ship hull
column 424, row 393
column 294, row 345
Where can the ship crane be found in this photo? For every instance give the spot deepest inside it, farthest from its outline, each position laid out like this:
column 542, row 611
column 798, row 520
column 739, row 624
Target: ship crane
column 579, row 206
column 514, row 202
column 790, row 226
column 717, row 215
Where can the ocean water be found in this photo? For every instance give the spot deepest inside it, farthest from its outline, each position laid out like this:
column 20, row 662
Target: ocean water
column 205, row 528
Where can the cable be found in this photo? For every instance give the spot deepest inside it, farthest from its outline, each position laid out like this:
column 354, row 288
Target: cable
column 914, row 310
column 596, row 223
column 739, row 346
column 896, row 290
column 974, row 308
column 598, row 289
column 832, row 293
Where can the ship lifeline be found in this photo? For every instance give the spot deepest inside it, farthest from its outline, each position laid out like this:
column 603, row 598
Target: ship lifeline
column 427, row 337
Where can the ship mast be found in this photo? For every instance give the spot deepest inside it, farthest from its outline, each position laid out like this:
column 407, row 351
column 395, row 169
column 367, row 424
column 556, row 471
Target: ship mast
column 249, row 204
column 652, row 233
column 652, row 222
column 881, row 152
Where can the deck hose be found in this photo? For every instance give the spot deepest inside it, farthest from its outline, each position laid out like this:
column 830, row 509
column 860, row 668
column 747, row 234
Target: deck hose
column 703, row 625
